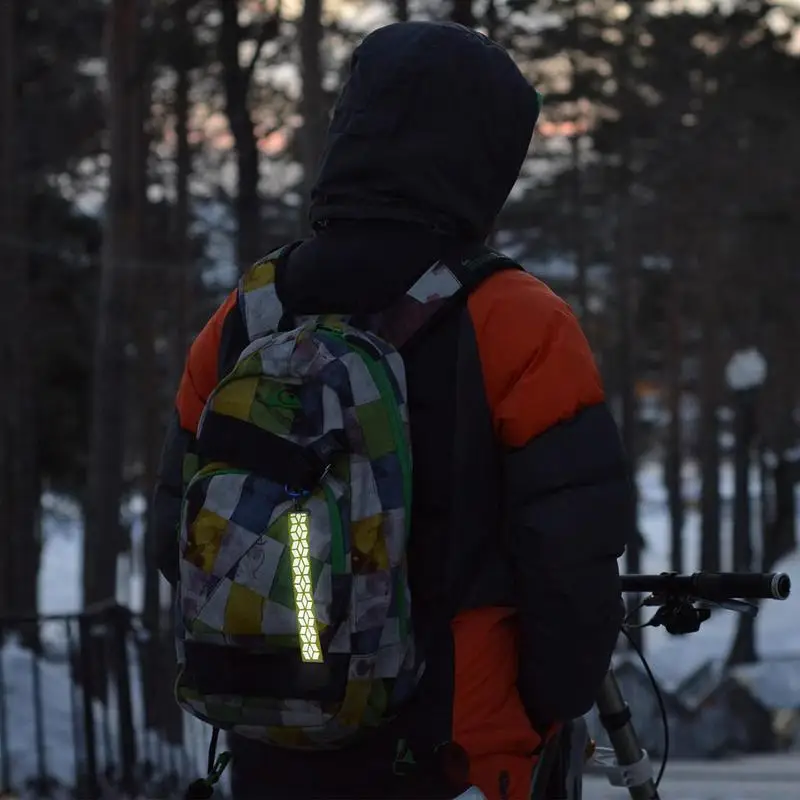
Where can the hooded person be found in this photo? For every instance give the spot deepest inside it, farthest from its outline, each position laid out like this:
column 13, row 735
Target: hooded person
column 521, row 493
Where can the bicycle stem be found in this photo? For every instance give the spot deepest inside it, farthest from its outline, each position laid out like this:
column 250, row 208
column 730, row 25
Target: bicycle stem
column 615, row 717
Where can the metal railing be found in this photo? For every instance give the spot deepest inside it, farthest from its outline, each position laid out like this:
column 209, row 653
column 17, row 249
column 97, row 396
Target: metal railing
column 98, row 659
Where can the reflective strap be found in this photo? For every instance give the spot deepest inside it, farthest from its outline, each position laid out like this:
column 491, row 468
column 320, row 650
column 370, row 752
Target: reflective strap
column 310, row 649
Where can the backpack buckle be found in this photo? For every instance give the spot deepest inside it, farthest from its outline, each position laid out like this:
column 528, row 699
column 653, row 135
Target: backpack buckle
column 404, row 763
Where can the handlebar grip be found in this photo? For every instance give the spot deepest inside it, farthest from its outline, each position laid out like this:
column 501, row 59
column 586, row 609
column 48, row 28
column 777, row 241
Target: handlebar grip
column 712, row 586
column 756, row 586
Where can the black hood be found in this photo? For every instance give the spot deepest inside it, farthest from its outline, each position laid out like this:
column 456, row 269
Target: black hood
column 431, row 127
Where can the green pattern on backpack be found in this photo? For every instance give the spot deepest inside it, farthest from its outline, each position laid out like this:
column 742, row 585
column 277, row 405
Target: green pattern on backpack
column 239, row 568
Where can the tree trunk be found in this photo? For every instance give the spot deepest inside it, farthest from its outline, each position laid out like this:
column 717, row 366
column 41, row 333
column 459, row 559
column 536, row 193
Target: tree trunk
column 462, row 12
column 27, row 508
column 182, row 269
column 144, row 305
column 709, row 434
column 158, row 652
column 11, row 256
column 151, row 433
column 401, row 10
column 624, row 267
column 742, row 507
column 312, row 105
column 673, row 461
column 236, row 81
column 20, row 547
column 780, row 535
column 491, row 19
column 144, row 301
column 248, row 200
column 106, row 453
column 710, row 497
column 626, row 375
column 743, row 650
column 579, row 232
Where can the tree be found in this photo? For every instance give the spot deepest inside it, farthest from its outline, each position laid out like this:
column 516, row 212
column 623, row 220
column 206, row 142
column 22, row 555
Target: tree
column 60, row 119
column 237, row 81
column 673, row 461
column 184, row 60
column 710, row 391
column 15, row 466
column 313, row 103
column 19, row 350
column 103, row 536
column 462, row 12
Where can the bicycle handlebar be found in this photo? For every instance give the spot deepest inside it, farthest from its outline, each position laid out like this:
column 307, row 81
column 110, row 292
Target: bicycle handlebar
column 712, row 586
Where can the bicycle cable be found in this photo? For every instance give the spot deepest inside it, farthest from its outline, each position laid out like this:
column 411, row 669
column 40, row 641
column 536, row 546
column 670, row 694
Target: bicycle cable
column 659, row 699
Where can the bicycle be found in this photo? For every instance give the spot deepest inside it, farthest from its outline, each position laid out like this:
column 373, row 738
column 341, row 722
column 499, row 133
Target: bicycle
column 683, row 603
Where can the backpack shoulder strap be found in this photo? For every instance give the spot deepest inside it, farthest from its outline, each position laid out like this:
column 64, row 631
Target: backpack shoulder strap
column 259, row 304
column 435, row 292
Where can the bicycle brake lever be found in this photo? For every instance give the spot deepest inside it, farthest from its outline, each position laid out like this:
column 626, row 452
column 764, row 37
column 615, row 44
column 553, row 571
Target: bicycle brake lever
column 652, row 600
column 743, row 607
column 681, row 619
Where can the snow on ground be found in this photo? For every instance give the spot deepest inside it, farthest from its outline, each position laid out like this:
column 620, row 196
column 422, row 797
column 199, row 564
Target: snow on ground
column 18, row 676
column 59, row 592
column 60, row 572
column 60, row 725
column 672, row 658
column 751, row 778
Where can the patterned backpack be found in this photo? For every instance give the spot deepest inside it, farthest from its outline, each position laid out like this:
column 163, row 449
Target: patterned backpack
column 293, row 606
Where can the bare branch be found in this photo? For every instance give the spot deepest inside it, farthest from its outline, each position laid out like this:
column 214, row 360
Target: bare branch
column 268, row 31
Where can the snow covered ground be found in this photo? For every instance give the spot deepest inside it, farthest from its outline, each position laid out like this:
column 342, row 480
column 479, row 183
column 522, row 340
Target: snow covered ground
column 756, row 778
column 671, row 658
column 59, row 593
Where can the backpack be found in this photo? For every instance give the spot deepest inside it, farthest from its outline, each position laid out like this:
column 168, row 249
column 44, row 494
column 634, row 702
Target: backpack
column 293, row 606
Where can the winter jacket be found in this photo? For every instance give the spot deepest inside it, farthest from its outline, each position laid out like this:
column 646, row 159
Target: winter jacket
column 521, row 494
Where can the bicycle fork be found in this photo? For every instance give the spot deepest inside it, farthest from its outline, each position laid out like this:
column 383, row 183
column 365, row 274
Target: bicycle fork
column 625, row 764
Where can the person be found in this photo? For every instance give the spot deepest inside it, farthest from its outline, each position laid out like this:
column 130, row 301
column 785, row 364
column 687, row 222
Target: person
column 521, row 491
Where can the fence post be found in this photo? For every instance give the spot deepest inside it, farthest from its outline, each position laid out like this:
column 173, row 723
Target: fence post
column 80, row 755
column 86, row 670
column 5, row 758
column 38, row 724
column 120, row 619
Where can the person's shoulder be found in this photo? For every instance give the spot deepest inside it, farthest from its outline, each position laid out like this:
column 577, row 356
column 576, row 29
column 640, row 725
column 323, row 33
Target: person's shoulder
column 513, row 297
column 538, row 368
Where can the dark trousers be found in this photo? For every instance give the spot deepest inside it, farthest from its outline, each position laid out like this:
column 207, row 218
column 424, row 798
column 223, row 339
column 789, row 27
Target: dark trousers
column 259, row 772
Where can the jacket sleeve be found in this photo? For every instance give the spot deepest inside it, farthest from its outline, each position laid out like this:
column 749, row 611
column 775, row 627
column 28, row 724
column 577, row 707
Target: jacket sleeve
column 569, row 502
column 211, row 355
